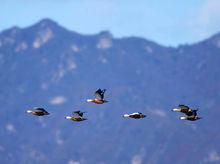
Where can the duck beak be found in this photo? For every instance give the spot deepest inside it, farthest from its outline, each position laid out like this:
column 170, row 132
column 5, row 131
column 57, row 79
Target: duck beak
column 89, row 100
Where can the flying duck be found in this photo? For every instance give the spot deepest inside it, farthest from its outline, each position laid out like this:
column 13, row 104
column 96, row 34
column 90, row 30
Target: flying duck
column 37, row 111
column 76, row 116
column 183, row 109
column 136, row 115
column 99, row 97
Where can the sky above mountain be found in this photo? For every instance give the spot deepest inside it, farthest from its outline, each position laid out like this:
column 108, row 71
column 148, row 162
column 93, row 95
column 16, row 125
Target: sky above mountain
column 169, row 22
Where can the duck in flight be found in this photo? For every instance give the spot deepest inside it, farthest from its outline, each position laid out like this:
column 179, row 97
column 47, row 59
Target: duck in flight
column 37, row 111
column 136, row 115
column 99, row 97
column 76, row 116
column 183, row 109
column 191, row 114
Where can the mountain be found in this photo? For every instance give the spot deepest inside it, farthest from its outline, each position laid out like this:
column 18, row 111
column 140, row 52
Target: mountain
column 49, row 66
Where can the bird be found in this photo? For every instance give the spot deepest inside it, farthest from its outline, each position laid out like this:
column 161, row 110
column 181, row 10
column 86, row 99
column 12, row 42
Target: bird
column 190, row 113
column 38, row 111
column 135, row 115
column 99, row 97
column 76, row 116
column 183, row 109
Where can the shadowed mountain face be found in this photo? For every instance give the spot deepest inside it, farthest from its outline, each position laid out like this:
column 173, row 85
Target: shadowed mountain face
column 46, row 65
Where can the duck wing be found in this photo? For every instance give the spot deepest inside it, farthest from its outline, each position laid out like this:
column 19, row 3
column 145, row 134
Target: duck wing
column 79, row 113
column 188, row 113
column 99, row 94
column 194, row 112
column 183, row 107
column 186, row 110
column 40, row 109
column 76, row 115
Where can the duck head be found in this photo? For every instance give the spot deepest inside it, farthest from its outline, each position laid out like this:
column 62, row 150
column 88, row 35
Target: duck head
column 126, row 115
column 176, row 110
column 90, row 100
column 68, row 117
column 29, row 111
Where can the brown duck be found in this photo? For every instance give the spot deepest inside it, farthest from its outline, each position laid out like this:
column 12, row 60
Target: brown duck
column 38, row 111
column 99, row 97
column 76, row 116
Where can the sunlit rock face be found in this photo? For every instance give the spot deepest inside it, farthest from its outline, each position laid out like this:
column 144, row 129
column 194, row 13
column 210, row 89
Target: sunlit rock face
column 104, row 41
column 21, row 47
column 43, row 37
column 217, row 43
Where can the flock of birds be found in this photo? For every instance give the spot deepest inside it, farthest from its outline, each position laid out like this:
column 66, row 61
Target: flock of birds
column 190, row 114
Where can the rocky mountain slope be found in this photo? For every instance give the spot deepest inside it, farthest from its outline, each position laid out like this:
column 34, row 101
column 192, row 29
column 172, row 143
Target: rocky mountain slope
column 47, row 65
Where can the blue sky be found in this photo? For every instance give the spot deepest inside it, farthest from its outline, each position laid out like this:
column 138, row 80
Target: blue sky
column 168, row 22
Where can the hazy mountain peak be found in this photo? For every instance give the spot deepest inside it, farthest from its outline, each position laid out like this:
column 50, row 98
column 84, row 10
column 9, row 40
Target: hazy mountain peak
column 106, row 34
column 46, row 23
column 11, row 31
column 215, row 40
column 44, row 31
column 216, row 36
column 105, row 40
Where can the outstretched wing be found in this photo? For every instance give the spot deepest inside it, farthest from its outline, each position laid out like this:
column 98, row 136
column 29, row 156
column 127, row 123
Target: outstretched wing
column 103, row 93
column 194, row 112
column 40, row 109
column 189, row 113
column 99, row 94
column 77, row 113
column 183, row 107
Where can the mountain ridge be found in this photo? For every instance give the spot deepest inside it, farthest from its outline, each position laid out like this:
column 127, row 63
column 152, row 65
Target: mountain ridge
column 54, row 25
